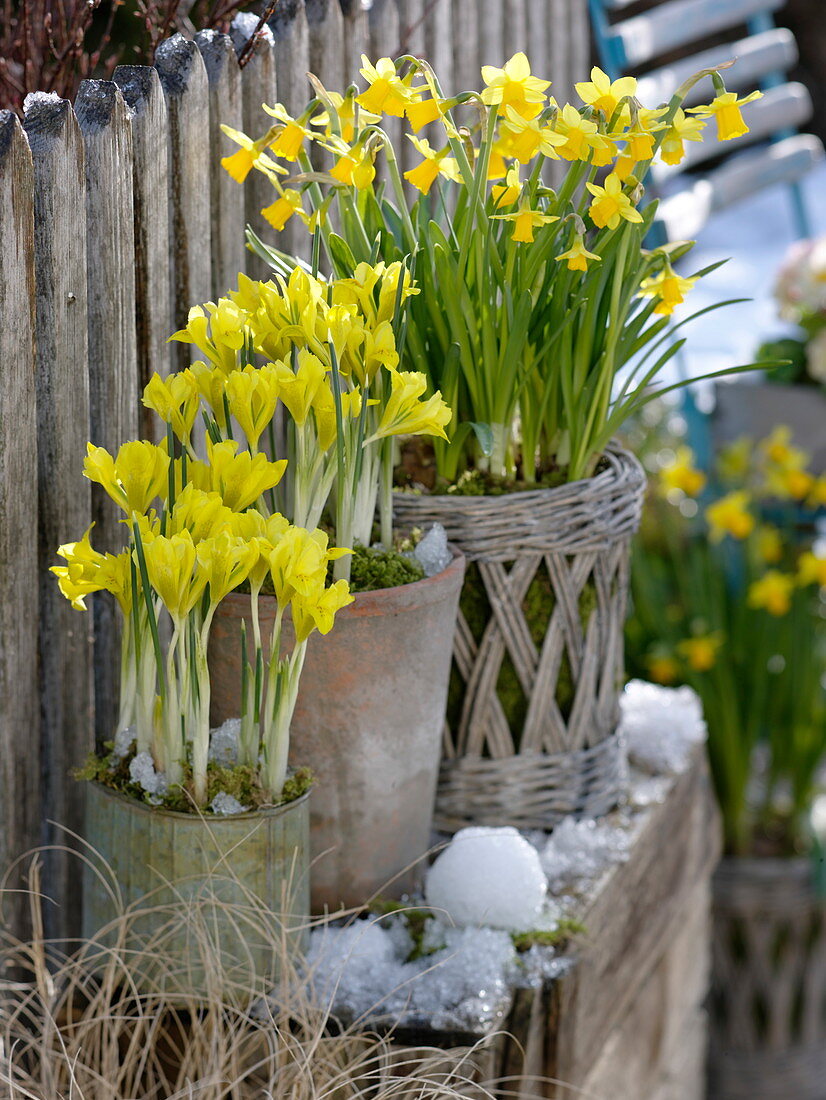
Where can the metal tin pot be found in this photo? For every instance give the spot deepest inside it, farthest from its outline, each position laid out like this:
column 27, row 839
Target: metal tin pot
column 369, row 723
column 235, row 874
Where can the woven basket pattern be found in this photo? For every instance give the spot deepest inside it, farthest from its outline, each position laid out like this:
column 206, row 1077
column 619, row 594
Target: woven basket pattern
column 768, row 1033
column 579, row 535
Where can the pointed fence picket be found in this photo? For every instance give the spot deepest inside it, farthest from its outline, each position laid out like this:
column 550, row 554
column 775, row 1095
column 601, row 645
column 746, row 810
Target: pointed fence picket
column 116, row 218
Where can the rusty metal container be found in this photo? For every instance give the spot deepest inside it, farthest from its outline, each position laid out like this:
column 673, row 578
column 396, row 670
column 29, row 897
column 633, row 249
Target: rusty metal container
column 232, row 872
column 369, row 723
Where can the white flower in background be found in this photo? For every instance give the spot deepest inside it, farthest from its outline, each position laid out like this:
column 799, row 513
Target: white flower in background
column 800, row 289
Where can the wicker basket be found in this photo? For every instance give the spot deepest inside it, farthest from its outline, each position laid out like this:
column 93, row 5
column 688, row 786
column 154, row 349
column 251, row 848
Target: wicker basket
column 768, row 1028
column 560, row 760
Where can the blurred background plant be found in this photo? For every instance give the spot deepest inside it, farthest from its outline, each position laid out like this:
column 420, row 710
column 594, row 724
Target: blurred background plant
column 51, row 45
column 800, row 292
column 729, row 596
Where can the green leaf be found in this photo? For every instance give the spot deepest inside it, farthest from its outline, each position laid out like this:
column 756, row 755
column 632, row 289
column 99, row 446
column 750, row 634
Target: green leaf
column 342, row 255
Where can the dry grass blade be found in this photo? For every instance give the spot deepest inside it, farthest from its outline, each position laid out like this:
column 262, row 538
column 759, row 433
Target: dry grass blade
column 93, row 1023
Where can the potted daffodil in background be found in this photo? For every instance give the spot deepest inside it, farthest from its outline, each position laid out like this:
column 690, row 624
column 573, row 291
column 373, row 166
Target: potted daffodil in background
column 314, row 362
column 543, row 322
column 729, row 597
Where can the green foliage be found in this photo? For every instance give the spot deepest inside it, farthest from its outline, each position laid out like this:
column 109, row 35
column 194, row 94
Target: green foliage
column 373, row 569
column 567, row 929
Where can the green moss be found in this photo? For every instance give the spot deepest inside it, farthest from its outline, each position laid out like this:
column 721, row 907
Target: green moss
column 415, row 921
column 240, row 781
column 372, row 569
column 477, row 483
column 566, row 930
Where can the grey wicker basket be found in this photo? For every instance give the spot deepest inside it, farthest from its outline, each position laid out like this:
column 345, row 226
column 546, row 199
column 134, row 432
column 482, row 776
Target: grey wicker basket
column 768, row 1006
column 560, row 760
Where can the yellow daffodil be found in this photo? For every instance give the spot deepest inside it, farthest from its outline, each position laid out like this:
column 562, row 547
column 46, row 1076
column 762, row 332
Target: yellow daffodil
column 769, row 544
column 811, row 569
column 603, row 94
column 524, row 138
column 288, row 138
column 578, row 255
column 345, row 110
column 506, row 194
column 134, row 478
column 680, row 474
column 668, row 288
column 611, row 204
column 730, row 515
column 662, row 668
column 405, row 413
column 175, row 399
column 278, row 213
column 434, row 164
column 251, row 155
column 354, row 166
column 817, row 494
column 701, row 651
column 226, row 561
column 171, row 568
column 386, row 92
column 202, row 514
column 252, row 395
column 525, row 220
column 772, row 592
column 82, row 573
column 240, row 479
column 725, row 110
column 681, row 129
column 318, row 611
column 513, row 86
column 580, row 135
column 421, row 112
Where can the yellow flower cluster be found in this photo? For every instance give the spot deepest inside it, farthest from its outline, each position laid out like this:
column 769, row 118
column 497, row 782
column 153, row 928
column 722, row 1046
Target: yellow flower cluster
column 610, row 129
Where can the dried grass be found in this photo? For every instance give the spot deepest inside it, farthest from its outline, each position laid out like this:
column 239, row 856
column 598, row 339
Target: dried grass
column 83, row 1024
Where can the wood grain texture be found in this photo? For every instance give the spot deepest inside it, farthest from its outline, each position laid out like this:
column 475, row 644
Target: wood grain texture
column 515, row 28
column 113, row 369
column 226, row 196
column 438, row 33
column 19, row 717
column 325, row 29
column 184, row 81
column 356, row 36
column 491, row 33
column 64, row 496
column 465, row 47
column 141, row 89
column 385, row 36
column 258, row 85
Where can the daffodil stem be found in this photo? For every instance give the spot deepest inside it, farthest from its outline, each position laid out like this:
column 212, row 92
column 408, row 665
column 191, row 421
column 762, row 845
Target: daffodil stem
column 386, row 498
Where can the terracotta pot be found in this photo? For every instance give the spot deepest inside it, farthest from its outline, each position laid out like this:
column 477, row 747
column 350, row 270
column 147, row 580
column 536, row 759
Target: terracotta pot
column 369, row 723
column 255, row 863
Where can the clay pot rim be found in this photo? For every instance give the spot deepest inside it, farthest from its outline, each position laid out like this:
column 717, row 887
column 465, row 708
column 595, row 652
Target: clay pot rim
column 207, row 820
column 384, row 601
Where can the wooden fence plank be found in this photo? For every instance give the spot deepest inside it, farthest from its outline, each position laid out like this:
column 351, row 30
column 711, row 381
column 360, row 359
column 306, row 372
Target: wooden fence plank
column 385, row 37
column 226, row 197
column 291, row 37
column 411, row 40
column 113, row 368
column 465, row 48
column 538, row 44
column 64, row 495
column 184, row 82
column 19, row 740
column 438, row 29
column 491, row 33
column 356, row 36
column 141, row 89
column 325, row 29
column 515, row 28
column 258, row 85
column 579, row 40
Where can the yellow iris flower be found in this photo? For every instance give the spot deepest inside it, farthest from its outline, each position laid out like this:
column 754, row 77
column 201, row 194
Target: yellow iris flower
column 176, row 400
column 298, row 390
column 405, row 413
column 318, row 611
column 240, row 479
column 171, row 565
column 201, row 513
column 134, row 478
column 252, row 395
column 226, row 560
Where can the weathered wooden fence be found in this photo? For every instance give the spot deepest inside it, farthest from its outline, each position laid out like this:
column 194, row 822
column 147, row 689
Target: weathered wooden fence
column 115, row 218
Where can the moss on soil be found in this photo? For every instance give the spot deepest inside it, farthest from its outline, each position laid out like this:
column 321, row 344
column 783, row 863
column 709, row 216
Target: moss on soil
column 373, row 569
column 240, row 781
column 565, row 931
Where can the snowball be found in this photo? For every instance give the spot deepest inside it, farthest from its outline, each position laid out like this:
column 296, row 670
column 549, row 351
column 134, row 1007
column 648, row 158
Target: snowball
column 223, row 743
column 142, row 771
column 432, row 551
column 661, row 726
column 124, row 740
column 224, row 803
column 578, row 852
column 488, row 877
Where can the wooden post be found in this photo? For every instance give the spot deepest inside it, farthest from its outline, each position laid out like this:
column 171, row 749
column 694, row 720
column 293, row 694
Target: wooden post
column 184, row 82
column 113, row 367
column 538, row 46
column 411, row 40
column 438, row 28
column 385, row 37
column 64, row 495
column 515, row 29
column 19, row 713
column 579, row 32
column 291, row 36
column 491, row 34
column 141, row 89
column 356, row 36
column 325, row 27
column 465, row 51
column 258, row 85
column 226, row 196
